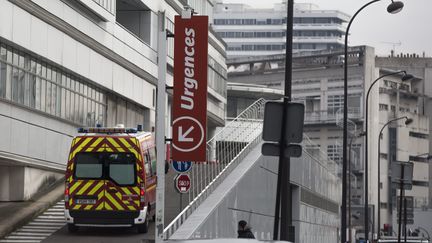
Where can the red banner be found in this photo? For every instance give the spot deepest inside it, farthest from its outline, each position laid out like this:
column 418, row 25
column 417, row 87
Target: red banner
column 190, row 89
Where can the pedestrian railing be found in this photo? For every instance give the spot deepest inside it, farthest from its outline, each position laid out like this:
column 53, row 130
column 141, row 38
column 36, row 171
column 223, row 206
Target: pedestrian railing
column 225, row 151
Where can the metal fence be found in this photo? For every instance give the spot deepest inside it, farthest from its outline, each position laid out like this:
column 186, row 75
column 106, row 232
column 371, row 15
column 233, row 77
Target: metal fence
column 225, row 151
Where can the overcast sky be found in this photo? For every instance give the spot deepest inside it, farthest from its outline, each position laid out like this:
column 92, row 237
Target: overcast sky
column 375, row 27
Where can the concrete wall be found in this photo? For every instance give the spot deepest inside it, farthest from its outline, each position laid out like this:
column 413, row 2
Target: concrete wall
column 248, row 193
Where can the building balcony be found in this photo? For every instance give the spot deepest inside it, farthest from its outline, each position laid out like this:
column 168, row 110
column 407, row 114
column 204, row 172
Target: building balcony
column 333, row 27
column 326, row 116
column 318, row 39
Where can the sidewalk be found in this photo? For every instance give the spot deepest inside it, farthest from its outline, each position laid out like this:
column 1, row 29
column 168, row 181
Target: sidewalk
column 16, row 214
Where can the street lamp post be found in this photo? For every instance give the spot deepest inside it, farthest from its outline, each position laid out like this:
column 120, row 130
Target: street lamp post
column 349, row 182
column 407, row 122
column 405, row 77
column 394, row 7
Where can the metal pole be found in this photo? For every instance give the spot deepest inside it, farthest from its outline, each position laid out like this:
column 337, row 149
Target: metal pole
column 349, row 190
column 160, row 129
column 400, row 202
column 405, row 219
column 345, row 130
column 379, row 169
column 283, row 188
column 379, row 185
column 287, row 231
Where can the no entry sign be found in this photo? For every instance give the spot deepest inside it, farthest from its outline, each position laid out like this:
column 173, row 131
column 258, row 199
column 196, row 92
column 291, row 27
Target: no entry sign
column 190, row 88
column 183, row 183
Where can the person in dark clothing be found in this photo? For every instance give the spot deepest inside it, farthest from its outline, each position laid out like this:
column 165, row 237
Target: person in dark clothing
column 244, row 231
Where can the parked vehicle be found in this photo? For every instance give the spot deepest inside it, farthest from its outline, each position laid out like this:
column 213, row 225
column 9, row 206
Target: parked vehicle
column 111, row 179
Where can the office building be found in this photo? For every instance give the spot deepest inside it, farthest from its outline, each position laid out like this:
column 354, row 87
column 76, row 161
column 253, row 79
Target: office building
column 73, row 63
column 252, row 31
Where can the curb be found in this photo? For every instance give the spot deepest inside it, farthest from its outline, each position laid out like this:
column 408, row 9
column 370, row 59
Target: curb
column 23, row 216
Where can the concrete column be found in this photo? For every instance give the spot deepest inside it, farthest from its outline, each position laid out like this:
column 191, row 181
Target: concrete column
column 4, row 183
column 16, row 183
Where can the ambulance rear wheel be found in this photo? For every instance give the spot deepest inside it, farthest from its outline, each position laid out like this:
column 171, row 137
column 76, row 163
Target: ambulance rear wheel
column 72, row 228
column 143, row 228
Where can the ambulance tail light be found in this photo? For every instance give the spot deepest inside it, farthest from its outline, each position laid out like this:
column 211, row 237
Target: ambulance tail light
column 142, row 197
column 66, row 197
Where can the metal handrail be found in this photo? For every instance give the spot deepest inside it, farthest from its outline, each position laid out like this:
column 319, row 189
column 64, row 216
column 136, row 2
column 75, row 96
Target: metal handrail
column 225, row 150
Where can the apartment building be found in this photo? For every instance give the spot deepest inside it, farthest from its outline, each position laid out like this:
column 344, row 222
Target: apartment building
column 252, row 31
column 73, row 63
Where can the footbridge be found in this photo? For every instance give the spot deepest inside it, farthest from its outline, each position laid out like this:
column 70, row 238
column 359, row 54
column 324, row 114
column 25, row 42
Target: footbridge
column 238, row 182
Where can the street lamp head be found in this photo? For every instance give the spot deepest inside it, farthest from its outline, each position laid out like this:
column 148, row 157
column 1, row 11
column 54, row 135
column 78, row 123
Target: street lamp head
column 395, row 7
column 407, row 76
column 408, row 121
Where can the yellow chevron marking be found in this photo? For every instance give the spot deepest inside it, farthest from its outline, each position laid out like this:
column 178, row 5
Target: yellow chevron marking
column 100, row 207
column 137, row 190
column 127, row 191
column 92, row 191
column 88, row 207
column 76, row 207
column 96, row 143
column 76, row 140
column 84, row 188
column 115, row 144
column 113, row 201
column 127, row 145
column 72, row 188
column 108, row 149
column 107, row 206
column 70, row 201
column 93, row 145
column 131, row 208
column 81, row 146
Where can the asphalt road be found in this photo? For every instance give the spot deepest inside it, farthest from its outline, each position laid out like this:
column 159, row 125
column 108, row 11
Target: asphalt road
column 102, row 235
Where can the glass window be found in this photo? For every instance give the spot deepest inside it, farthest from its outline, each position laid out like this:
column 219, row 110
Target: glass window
column 88, row 165
column 121, row 167
column 3, row 69
column 147, row 164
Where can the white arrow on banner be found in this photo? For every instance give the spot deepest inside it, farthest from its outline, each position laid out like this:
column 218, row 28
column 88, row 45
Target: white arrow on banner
column 182, row 137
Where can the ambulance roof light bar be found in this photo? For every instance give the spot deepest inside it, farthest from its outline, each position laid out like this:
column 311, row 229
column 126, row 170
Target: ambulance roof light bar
column 107, row 130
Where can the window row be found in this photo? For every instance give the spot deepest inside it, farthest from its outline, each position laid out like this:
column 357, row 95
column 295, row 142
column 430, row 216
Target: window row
column 251, row 34
column 278, row 34
column 256, row 47
column 278, row 47
column 38, row 85
column 277, row 21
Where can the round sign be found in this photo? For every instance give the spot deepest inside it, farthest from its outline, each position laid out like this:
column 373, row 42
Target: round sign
column 183, row 183
column 190, row 134
column 182, row 166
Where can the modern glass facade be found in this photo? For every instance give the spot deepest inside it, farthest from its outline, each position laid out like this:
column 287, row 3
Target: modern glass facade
column 36, row 84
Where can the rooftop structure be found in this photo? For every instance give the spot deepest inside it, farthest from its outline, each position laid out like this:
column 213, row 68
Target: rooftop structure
column 253, row 31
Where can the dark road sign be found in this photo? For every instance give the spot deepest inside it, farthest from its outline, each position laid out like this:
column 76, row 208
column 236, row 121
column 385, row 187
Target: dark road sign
column 272, row 149
column 273, row 122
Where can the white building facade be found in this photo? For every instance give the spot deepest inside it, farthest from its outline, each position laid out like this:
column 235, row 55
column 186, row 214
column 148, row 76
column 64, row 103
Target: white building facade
column 318, row 83
column 252, row 31
column 73, row 63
